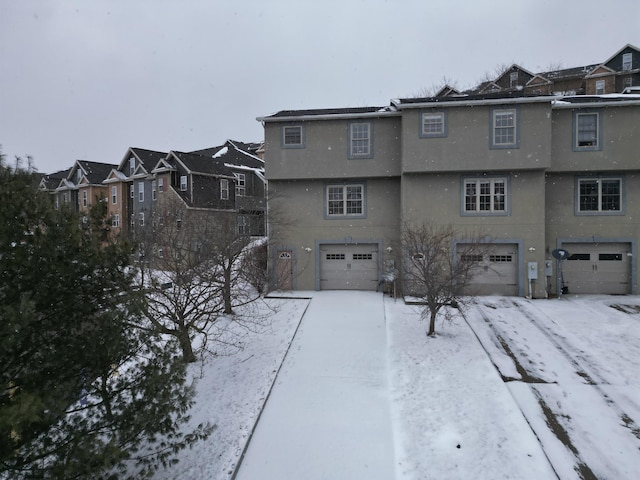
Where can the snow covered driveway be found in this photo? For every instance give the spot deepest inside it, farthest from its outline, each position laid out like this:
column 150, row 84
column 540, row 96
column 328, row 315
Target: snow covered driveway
column 328, row 416
column 573, row 366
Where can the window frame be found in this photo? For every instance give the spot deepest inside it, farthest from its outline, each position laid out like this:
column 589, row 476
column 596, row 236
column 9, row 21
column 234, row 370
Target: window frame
column 600, row 87
column 493, row 128
column 344, row 186
column 580, row 180
column 140, row 192
column 241, row 184
column 224, row 189
column 85, row 200
column 184, row 183
column 114, row 195
column 283, row 136
column 160, row 184
column 132, row 166
column 141, row 219
column 351, row 151
column 577, row 114
column 627, row 65
column 115, row 220
column 492, row 196
column 443, row 121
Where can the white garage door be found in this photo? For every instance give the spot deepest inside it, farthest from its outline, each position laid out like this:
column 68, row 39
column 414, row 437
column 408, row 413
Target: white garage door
column 349, row 267
column 497, row 272
column 594, row 268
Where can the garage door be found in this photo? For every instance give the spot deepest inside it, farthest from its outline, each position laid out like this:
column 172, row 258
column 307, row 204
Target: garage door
column 594, row 268
column 349, row 267
column 496, row 272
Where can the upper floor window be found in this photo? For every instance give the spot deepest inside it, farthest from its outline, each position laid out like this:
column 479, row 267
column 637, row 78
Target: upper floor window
column 141, row 191
column 224, row 189
column 161, row 185
column 513, row 79
column 627, row 61
column 433, row 124
column 485, row 195
column 115, row 220
column 132, row 191
column 361, row 140
column 599, row 87
column 240, row 184
column 154, row 189
column 599, row 195
column 132, row 166
column 292, row 136
column 141, row 219
column 78, row 175
column 587, row 131
column 504, row 128
column 183, row 183
column 84, row 198
column 114, row 194
column 345, row 200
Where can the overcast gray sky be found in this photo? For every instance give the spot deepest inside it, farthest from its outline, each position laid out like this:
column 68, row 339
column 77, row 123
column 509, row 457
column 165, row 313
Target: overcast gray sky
column 88, row 79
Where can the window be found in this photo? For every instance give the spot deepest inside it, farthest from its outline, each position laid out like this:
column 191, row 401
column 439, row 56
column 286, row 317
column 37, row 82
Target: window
column 183, row 183
column 141, row 191
column 433, row 124
column 471, row 258
column 292, row 136
column 628, row 81
column 627, row 61
column 587, row 131
column 485, row 195
column 154, row 188
column 141, row 219
column 160, row 252
column 362, row 256
column 242, row 225
column 599, row 87
column 131, row 191
column 513, row 79
column 78, row 175
column 599, row 195
column 335, row 256
column 224, row 189
column 500, row 258
column 132, row 166
column 504, row 131
column 114, row 194
column 84, row 198
column 240, row 184
column 360, row 140
column 56, row 202
column 115, row 220
column 133, row 220
column 345, row 200
column 161, row 184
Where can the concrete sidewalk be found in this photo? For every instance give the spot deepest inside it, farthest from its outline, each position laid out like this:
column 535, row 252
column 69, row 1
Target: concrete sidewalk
column 328, row 416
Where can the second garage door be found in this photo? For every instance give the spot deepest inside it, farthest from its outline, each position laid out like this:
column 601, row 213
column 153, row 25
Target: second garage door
column 349, row 267
column 497, row 272
column 594, row 268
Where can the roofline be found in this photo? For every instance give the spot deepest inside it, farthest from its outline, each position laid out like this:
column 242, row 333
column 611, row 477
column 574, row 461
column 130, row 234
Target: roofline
column 328, row 116
column 471, row 103
column 624, row 103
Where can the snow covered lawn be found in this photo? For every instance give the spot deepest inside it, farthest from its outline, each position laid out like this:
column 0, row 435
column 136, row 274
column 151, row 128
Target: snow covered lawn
column 521, row 389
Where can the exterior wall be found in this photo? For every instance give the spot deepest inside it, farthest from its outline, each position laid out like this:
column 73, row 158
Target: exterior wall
column 297, row 222
column 609, row 84
column 439, row 199
column 117, row 208
column 620, row 139
column 325, row 151
column 467, row 144
column 563, row 223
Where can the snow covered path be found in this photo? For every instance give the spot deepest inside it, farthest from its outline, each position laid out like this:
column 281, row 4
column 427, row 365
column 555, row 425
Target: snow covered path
column 328, row 416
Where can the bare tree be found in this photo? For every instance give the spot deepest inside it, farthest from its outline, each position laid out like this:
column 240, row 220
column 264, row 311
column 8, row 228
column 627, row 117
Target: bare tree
column 431, row 91
column 191, row 272
column 437, row 269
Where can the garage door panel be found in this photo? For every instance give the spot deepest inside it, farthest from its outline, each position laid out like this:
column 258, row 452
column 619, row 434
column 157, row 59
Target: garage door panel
column 496, row 272
column 349, row 267
column 597, row 268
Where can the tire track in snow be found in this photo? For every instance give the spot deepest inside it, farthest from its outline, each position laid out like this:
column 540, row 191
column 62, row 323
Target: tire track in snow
column 592, row 377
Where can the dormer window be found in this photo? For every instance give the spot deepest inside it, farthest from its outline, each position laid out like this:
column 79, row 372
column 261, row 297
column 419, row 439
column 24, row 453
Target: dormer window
column 627, row 61
column 78, row 175
column 599, row 87
column 132, row 166
column 183, row 183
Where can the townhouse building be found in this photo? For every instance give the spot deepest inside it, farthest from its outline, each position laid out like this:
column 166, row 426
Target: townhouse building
column 533, row 173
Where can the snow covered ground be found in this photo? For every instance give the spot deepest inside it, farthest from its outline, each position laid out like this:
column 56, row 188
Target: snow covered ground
column 526, row 389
